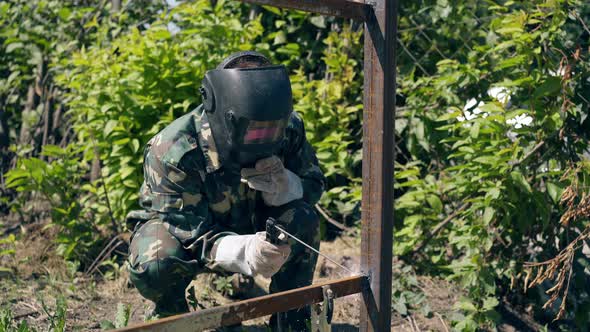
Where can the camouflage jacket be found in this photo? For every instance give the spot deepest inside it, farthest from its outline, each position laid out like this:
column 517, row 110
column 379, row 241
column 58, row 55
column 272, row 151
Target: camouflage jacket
column 185, row 182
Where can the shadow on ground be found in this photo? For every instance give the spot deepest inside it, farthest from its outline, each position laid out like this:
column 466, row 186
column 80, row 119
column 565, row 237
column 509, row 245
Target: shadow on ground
column 335, row 328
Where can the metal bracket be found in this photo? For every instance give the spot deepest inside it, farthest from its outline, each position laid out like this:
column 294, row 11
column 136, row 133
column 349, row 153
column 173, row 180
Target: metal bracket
column 321, row 314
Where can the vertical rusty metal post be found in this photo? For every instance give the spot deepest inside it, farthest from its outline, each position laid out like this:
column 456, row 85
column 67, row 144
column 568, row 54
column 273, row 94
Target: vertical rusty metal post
column 378, row 159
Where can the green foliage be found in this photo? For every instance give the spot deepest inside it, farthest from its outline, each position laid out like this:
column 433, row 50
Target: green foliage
column 406, row 293
column 121, row 91
column 7, row 323
column 7, row 251
column 468, row 156
column 78, row 212
column 39, row 34
column 31, row 33
column 331, row 110
column 296, row 38
column 224, row 285
column 35, row 37
column 57, row 318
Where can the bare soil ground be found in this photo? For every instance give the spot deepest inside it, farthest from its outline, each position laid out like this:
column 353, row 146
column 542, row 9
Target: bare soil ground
column 40, row 277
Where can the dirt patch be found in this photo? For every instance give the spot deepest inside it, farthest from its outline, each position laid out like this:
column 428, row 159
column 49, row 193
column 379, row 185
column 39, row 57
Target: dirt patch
column 440, row 298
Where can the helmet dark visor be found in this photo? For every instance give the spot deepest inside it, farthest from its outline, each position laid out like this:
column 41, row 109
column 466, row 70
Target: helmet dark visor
column 264, row 132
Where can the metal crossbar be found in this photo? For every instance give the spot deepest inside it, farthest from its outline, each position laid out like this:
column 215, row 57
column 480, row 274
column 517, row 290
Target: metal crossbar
column 237, row 312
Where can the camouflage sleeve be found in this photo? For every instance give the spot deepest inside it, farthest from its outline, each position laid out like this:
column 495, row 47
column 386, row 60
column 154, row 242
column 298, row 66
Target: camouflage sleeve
column 300, row 159
column 173, row 183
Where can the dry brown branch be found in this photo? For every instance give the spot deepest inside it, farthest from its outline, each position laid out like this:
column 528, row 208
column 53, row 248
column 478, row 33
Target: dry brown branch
column 331, row 220
column 104, row 254
column 530, row 153
column 559, row 268
column 47, row 115
column 26, row 314
column 442, row 321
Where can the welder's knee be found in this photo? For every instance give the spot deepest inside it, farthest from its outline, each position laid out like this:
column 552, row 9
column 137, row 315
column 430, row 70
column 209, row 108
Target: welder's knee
column 300, row 219
column 159, row 265
column 306, row 212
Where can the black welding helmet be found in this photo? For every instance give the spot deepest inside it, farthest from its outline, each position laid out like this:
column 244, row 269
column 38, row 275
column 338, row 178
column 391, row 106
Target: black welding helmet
column 248, row 110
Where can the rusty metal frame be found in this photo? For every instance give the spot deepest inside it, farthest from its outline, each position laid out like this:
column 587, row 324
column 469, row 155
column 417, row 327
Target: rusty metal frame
column 380, row 28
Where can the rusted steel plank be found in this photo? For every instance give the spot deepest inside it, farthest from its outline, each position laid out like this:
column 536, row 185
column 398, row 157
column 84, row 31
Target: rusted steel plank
column 341, row 8
column 257, row 307
column 378, row 159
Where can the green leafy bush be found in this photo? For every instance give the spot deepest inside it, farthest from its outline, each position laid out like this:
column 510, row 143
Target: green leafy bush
column 489, row 136
column 77, row 209
column 35, row 36
column 331, row 108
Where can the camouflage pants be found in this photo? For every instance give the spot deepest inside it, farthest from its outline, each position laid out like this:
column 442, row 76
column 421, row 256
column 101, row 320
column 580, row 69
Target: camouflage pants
column 162, row 264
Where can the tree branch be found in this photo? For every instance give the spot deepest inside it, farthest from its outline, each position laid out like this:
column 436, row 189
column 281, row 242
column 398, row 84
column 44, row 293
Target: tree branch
column 330, row 220
column 439, row 227
column 530, row 153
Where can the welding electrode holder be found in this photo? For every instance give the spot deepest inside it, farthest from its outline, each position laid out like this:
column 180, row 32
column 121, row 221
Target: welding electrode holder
column 273, row 236
column 273, row 233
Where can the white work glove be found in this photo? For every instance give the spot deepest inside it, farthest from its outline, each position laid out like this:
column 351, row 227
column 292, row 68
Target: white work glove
column 250, row 254
column 278, row 185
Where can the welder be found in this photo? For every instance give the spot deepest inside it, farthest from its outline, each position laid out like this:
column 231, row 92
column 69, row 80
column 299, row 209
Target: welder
column 214, row 176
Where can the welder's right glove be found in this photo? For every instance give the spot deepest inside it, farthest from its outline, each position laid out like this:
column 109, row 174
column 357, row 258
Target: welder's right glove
column 249, row 254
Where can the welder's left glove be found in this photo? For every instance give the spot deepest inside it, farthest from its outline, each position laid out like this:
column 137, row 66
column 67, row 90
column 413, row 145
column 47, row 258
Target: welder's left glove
column 278, row 185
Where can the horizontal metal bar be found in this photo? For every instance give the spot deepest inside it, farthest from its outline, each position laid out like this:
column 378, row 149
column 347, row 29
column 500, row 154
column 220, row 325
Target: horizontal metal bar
column 234, row 313
column 340, row 8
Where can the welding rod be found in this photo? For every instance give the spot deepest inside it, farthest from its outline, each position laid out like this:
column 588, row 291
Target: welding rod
column 314, row 250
